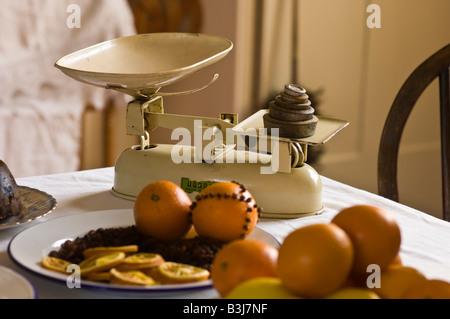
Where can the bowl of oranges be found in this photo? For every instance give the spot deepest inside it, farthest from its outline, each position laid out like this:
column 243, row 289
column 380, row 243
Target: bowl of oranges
column 354, row 256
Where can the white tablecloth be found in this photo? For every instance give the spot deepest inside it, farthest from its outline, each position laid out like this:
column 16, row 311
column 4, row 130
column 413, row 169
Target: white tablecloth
column 425, row 239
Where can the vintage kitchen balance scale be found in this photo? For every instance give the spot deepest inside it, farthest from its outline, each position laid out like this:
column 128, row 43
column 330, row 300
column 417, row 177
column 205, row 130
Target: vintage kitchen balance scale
column 272, row 167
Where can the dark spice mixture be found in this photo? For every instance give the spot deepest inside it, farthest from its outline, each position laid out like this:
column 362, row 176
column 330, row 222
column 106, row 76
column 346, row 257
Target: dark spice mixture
column 198, row 251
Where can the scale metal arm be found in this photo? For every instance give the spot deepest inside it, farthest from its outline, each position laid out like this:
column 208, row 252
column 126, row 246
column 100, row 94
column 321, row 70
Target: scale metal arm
column 145, row 116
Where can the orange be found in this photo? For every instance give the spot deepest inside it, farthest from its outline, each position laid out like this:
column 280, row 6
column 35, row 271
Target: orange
column 375, row 236
column 397, row 261
column 396, row 280
column 261, row 288
column 225, row 211
column 315, row 260
column 161, row 210
column 240, row 260
column 429, row 289
column 353, row 293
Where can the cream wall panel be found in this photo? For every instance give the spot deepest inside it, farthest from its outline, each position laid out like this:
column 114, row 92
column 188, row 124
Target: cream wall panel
column 366, row 68
column 330, row 60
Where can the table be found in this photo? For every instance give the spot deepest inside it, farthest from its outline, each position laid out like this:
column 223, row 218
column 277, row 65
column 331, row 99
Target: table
column 425, row 239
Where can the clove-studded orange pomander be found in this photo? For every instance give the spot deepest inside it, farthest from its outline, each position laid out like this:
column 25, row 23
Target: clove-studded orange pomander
column 224, row 211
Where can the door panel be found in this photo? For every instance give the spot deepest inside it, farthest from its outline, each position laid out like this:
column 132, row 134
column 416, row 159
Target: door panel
column 360, row 71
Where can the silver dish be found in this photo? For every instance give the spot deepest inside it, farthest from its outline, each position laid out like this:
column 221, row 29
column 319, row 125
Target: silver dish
column 35, row 204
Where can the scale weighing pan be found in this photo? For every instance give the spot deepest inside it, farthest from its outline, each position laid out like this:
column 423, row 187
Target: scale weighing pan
column 144, row 61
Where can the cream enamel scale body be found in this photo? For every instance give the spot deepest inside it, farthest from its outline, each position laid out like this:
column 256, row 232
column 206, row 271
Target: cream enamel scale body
column 276, row 173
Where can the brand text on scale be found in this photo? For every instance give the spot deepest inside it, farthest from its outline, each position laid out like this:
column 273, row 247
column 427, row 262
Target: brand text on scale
column 215, row 150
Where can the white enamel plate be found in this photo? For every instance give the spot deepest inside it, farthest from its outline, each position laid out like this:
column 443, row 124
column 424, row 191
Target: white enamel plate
column 28, row 247
column 15, row 286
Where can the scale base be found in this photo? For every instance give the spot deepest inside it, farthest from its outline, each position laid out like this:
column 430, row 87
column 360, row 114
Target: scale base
column 280, row 195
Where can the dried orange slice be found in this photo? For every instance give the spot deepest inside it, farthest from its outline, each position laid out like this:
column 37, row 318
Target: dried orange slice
column 100, row 264
column 176, row 273
column 140, row 261
column 55, row 264
column 101, row 251
column 133, row 277
column 99, row 276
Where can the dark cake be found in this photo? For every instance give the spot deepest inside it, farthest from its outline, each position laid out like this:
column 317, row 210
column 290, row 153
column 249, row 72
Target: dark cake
column 10, row 204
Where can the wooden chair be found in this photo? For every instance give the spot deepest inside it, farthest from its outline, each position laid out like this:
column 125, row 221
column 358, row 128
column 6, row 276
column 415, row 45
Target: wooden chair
column 436, row 66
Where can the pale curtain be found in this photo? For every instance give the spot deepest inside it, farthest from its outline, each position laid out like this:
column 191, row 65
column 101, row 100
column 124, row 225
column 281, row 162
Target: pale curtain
column 40, row 107
column 268, row 56
column 269, row 53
